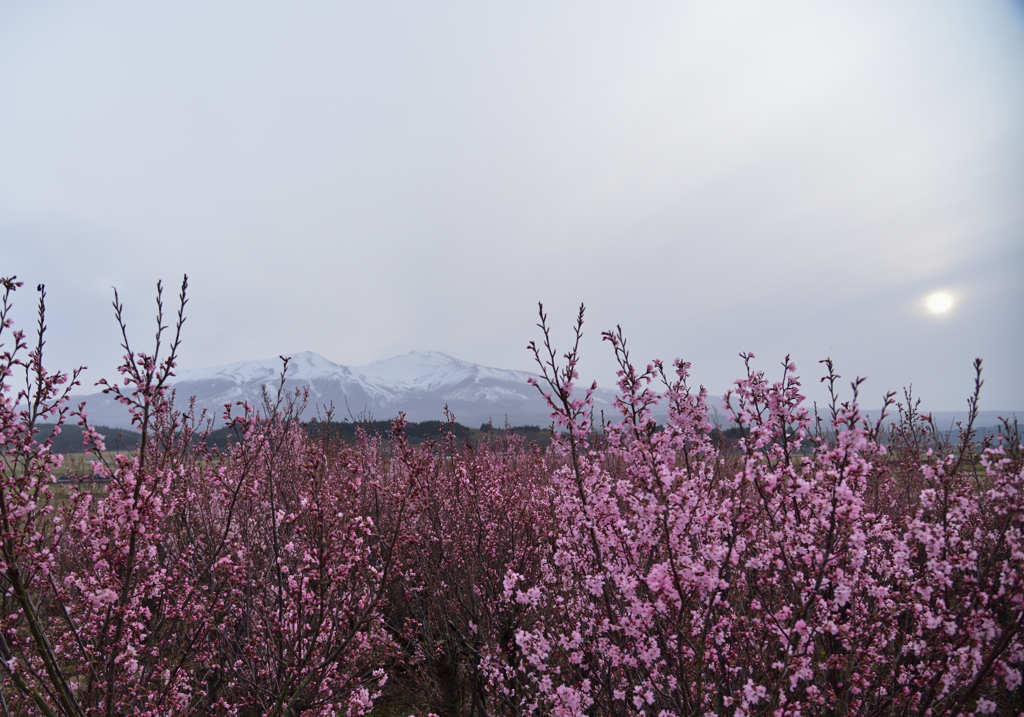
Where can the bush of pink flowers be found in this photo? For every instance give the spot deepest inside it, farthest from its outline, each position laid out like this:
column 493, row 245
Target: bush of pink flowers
column 816, row 565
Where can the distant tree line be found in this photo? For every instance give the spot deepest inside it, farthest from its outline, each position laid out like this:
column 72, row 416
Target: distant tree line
column 118, row 439
column 69, row 440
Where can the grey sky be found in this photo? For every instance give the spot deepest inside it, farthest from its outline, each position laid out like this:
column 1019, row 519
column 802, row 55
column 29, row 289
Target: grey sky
column 366, row 179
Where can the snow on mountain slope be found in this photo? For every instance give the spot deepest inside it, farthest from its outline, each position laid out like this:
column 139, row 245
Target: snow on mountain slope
column 303, row 366
column 420, row 383
column 428, row 370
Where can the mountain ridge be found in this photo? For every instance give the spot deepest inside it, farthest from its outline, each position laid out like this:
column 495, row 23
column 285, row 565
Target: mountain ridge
column 418, row 383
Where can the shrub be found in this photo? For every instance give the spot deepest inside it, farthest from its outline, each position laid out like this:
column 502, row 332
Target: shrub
column 806, row 565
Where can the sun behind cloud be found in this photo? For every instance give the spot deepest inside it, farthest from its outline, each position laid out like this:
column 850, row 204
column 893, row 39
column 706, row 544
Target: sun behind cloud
column 939, row 302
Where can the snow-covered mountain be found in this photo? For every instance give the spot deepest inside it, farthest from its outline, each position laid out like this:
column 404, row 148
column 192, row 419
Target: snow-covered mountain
column 420, row 383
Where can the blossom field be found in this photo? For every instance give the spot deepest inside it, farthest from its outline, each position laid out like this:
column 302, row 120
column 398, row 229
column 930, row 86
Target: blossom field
column 818, row 565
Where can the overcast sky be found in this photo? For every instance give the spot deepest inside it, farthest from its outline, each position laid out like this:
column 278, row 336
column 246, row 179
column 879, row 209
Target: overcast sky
column 366, row 179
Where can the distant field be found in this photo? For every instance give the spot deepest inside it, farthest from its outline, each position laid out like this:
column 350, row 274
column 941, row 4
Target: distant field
column 77, row 464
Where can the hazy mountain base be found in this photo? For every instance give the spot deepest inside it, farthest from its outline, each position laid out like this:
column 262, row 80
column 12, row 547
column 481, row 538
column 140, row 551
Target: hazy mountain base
column 524, row 409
